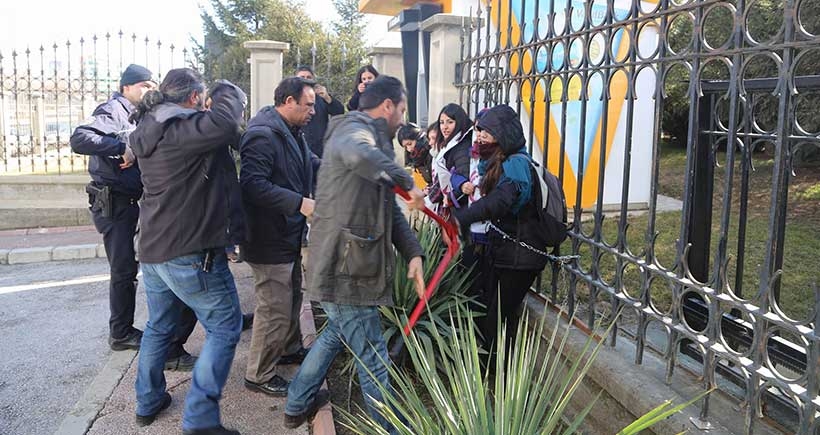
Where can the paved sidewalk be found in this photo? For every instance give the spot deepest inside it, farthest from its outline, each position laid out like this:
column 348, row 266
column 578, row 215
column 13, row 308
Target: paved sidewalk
column 46, row 244
column 108, row 405
column 43, row 237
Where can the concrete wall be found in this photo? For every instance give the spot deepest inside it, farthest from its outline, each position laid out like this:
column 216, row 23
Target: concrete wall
column 445, row 52
column 33, row 201
column 388, row 60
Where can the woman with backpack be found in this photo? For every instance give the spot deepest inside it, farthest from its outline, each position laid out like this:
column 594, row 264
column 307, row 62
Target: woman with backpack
column 509, row 190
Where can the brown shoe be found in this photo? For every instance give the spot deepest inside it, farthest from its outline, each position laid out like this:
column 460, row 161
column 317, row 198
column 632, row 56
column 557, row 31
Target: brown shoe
column 321, row 399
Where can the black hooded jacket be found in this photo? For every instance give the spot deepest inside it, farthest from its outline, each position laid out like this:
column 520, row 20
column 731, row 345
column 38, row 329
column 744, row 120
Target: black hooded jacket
column 186, row 185
column 353, row 103
column 276, row 174
column 503, row 124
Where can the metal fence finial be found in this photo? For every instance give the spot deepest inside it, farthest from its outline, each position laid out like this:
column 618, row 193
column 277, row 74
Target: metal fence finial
column 43, row 100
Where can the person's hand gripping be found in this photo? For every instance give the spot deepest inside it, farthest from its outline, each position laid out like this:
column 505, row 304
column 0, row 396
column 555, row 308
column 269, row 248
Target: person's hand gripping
column 415, row 271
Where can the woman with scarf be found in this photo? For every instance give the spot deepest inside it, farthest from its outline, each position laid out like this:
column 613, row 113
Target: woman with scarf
column 451, row 166
column 417, row 150
column 507, row 202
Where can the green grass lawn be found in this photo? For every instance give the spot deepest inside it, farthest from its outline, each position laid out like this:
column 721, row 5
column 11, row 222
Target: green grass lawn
column 801, row 247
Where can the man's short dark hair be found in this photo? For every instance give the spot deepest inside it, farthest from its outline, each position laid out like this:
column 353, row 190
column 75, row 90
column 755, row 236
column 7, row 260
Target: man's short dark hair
column 383, row 88
column 301, row 68
column 290, row 87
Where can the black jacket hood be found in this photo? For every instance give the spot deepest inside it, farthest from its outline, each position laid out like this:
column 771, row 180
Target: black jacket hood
column 503, row 123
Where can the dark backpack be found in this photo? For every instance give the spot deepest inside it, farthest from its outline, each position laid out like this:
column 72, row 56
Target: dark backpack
column 552, row 216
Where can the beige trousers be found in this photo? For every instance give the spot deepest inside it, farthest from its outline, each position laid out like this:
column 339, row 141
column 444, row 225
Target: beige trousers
column 276, row 331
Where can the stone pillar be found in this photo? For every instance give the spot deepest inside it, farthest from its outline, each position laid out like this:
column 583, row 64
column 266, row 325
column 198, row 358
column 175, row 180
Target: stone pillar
column 266, row 71
column 445, row 52
column 388, row 60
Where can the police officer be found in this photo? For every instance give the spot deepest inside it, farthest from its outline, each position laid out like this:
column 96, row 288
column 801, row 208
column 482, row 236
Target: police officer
column 113, row 194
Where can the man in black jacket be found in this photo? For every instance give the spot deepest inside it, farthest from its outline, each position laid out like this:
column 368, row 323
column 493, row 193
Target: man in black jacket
column 326, row 106
column 115, row 178
column 184, row 221
column 277, row 180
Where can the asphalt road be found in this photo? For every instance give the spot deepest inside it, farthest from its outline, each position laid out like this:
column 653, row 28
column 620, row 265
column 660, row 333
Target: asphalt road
column 53, row 340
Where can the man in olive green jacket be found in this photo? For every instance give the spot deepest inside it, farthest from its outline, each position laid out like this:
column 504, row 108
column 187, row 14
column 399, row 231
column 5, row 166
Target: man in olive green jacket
column 356, row 223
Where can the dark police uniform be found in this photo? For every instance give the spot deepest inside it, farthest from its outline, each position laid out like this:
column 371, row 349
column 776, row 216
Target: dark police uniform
column 103, row 137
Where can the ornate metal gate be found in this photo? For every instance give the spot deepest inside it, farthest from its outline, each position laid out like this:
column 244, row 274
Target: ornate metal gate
column 47, row 91
column 740, row 73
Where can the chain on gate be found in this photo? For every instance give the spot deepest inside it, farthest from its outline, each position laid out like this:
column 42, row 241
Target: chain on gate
column 561, row 260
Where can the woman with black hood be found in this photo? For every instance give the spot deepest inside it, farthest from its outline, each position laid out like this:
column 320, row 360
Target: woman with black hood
column 508, row 202
column 451, row 166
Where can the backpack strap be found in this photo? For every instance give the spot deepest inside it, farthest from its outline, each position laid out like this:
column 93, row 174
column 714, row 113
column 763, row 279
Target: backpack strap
column 545, row 191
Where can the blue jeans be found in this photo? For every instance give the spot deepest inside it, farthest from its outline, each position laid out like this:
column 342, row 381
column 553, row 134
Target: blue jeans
column 212, row 295
column 358, row 327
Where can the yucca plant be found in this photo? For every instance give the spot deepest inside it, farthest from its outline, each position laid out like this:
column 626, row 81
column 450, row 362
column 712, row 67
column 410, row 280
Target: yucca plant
column 452, row 290
column 451, row 293
column 528, row 394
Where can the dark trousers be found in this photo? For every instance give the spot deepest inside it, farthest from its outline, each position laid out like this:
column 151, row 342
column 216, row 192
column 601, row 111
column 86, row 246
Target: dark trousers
column 476, row 259
column 118, row 238
column 504, row 295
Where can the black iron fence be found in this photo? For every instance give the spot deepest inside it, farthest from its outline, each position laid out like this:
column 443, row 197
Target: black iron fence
column 46, row 91
column 706, row 286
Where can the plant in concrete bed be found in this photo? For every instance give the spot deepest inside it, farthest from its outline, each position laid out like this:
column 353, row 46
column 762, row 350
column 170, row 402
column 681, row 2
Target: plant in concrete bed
column 452, row 292
column 450, row 297
column 526, row 391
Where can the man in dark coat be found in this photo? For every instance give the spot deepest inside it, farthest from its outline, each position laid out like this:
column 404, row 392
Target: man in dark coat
column 277, row 180
column 326, row 106
column 184, row 228
column 115, row 178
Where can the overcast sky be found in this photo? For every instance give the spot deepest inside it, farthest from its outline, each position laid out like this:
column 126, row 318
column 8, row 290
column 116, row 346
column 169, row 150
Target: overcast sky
column 29, row 23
